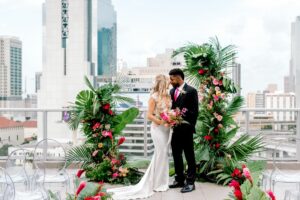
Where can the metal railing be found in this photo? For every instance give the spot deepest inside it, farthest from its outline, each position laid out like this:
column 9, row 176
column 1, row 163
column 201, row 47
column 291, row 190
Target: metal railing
column 273, row 124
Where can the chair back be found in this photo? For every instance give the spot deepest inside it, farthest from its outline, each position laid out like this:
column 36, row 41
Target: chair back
column 7, row 188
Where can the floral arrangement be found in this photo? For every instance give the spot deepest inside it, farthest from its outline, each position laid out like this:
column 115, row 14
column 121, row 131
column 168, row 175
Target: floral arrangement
column 94, row 112
column 207, row 68
column 245, row 187
column 173, row 117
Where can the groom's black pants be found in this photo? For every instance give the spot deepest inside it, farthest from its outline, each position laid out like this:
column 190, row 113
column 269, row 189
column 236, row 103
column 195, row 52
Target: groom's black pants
column 182, row 141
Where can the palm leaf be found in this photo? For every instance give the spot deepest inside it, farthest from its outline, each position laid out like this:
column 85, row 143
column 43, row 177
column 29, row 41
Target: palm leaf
column 80, row 154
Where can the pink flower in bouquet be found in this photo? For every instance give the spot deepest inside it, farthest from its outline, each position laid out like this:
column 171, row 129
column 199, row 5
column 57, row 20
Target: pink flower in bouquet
column 216, row 98
column 235, row 184
column 271, row 195
column 115, row 175
column 96, row 126
column 217, row 88
column 247, row 174
column 219, row 118
column 217, row 145
column 107, row 134
column 201, row 98
column 223, row 96
column 115, row 161
column 95, row 153
column 220, row 126
column 238, row 194
column 183, row 111
column 215, row 81
column 79, row 173
column 208, row 137
column 121, row 140
column 80, row 187
column 165, row 116
column 210, row 105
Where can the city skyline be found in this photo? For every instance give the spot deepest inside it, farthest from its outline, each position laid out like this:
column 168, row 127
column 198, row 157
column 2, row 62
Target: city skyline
column 263, row 39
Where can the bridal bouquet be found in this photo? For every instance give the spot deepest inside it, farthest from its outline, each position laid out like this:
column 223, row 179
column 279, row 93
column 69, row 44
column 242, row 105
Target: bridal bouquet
column 174, row 117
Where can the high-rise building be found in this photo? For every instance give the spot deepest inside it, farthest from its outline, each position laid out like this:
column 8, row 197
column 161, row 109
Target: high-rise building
column 38, row 76
column 236, row 77
column 295, row 60
column 69, row 54
column 10, row 70
column 107, row 39
column 271, row 88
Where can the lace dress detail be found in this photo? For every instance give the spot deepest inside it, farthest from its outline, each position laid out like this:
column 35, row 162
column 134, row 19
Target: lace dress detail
column 161, row 104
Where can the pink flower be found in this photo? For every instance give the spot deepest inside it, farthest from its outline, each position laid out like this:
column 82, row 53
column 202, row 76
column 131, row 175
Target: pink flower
column 236, row 173
column 115, row 175
column 216, row 98
column 271, row 195
column 107, row 134
column 217, row 88
column 184, row 110
column 238, row 194
column 121, row 140
column 219, row 118
column 114, row 161
column 247, row 174
column 215, row 82
column 80, row 188
column 201, row 98
column 80, row 172
column 96, row 126
column 210, row 105
column 220, row 126
column 223, row 96
column 95, row 153
column 165, row 116
column 235, row 184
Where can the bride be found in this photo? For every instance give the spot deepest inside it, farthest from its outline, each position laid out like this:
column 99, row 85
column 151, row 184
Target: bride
column 156, row 178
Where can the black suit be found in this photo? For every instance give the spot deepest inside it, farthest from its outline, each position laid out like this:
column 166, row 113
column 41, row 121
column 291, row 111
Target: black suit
column 182, row 139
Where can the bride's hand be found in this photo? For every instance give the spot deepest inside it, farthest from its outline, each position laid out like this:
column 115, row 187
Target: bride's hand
column 159, row 122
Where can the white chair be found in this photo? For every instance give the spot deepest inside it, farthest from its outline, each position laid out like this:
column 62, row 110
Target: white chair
column 7, row 189
column 277, row 175
column 16, row 163
column 49, row 158
column 292, row 195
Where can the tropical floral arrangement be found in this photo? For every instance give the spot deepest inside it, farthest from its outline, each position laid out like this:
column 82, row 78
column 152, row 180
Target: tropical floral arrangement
column 208, row 68
column 94, row 112
column 245, row 186
column 173, row 117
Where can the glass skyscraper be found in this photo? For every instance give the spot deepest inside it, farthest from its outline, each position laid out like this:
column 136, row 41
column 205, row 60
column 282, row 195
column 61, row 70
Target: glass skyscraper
column 107, row 39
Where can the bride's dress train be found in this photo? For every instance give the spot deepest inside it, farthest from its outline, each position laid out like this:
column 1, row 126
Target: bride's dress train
column 156, row 177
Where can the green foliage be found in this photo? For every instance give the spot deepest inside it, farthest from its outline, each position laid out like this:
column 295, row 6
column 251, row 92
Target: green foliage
column 217, row 146
column 94, row 113
column 4, row 150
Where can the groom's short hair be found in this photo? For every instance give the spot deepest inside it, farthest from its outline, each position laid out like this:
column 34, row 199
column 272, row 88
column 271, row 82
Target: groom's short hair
column 177, row 72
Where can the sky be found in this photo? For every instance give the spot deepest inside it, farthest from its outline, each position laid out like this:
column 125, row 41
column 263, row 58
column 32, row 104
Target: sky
column 259, row 28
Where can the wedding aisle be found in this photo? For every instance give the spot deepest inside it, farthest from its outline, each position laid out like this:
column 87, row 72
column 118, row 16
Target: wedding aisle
column 204, row 191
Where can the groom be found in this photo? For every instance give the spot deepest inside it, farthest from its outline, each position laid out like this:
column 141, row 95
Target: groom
column 184, row 96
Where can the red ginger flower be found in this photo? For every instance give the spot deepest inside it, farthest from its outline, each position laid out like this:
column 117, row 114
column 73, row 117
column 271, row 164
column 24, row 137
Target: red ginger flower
column 208, row 137
column 238, row 194
column 271, row 195
column 106, row 106
column 80, row 187
column 80, row 172
column 110, row 112
column 121, row 140
column 107, row 134
column 236, row 173
column 96, row 126
column 201, row 71
column 235, row 184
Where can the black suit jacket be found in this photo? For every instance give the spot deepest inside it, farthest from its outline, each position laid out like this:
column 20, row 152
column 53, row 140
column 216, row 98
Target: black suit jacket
column 187, row 99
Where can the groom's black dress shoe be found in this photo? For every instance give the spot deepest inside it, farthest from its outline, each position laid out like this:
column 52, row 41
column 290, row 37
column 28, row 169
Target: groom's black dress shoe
column 176, row 185
column 188, row 188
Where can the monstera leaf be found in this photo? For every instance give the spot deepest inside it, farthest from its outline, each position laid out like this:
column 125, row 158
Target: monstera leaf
column 122, row 119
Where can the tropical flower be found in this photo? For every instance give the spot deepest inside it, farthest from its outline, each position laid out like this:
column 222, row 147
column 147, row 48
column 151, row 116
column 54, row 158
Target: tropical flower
column 238, row 194
column 107, row 134
column 236, row 173
column 201, row 71
column 79, row 172
column 80, row 188
column 95, row 153
column 123, row 171
column 216, row 98
column 220, row 82
column 220, row 126
column 115, row 175
column 208, row 137
column 247, row 174
column 114, row 161
column 96, row 126
column 215, row 81
column 121, row 140
column 235, row 184
column 110, row 112
column 100, row 145
column 217, row 145
column 271, row 195
column 106, row 106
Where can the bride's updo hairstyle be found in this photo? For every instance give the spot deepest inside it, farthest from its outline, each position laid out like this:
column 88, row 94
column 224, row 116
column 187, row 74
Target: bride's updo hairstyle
column 161, row 86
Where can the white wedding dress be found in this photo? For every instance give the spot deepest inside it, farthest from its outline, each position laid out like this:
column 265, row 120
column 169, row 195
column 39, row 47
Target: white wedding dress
column 156, row 177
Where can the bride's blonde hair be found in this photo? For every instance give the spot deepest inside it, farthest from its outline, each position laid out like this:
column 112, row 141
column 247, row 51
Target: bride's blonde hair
column 161, row 86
